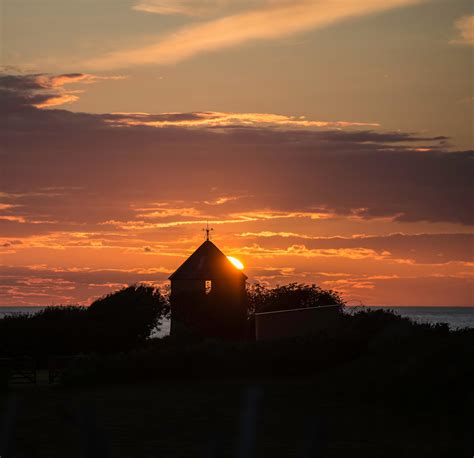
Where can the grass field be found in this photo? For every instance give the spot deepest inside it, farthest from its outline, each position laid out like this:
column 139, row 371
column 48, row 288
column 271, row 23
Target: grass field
column 376, row 386
column 324, row 417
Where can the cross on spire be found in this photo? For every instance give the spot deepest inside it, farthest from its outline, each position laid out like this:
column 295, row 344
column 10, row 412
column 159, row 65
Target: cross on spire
column 208, row 230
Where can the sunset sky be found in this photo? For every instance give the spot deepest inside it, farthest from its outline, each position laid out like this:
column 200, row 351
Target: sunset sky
column 325, row 141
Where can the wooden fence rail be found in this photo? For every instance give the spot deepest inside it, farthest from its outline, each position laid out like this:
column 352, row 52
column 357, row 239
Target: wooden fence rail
column 24, row 370
column 20, row 371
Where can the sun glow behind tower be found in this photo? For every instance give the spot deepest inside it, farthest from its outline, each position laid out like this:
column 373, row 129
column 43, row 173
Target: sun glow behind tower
column 236, row 262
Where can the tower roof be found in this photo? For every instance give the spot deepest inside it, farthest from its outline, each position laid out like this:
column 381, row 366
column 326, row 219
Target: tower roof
column 206, row 263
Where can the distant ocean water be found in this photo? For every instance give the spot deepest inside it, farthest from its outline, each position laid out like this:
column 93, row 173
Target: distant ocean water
column 455, row 317
column 5, row 310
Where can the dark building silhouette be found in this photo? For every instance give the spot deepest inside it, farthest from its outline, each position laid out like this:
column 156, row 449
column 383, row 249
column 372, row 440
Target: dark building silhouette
column 208, row 296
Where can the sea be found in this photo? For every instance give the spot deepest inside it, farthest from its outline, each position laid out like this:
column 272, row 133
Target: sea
column 454, row 317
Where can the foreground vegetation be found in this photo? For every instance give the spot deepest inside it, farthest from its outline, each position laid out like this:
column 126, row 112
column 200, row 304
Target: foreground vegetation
column 117, row 322
column 123, row 321
column 373, row 384
column 378, row 386
column 428, row 354
column 336, row 414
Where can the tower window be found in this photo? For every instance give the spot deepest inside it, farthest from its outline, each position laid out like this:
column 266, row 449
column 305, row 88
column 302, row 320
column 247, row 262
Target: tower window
column 207, row 286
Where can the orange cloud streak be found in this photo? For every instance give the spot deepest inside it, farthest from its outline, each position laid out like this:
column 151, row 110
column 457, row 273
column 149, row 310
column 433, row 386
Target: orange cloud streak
column 221, row 119
column 273, row 20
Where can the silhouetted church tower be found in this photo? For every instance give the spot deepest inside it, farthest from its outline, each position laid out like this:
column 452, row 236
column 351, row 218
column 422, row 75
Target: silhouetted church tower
column 208, row 296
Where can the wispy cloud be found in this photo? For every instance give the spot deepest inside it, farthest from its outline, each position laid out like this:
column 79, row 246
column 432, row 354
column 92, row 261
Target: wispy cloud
column 433, row 249
column 272, row 20
column 222, row 119
column 184, row 7
column 465, row 29
column 43, row 90
column 302, row 251
column 222, row 200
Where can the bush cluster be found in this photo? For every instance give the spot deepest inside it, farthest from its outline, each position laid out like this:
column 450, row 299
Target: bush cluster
column 292, row 296
column 116, row 322
column 376, row 345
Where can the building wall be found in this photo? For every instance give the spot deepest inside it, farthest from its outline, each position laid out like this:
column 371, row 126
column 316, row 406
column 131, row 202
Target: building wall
column 294, row 323
column 221, row 313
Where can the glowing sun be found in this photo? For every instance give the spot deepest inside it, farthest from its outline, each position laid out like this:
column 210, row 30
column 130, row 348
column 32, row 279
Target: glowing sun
column 236, row 262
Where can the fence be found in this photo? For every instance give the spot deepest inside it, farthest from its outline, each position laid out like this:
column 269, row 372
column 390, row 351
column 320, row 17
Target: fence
column 19, row 371
column 294, row 322
column 24, row 370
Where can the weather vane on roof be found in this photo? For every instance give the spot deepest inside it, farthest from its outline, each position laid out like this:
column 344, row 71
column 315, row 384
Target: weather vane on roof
column 208, row 230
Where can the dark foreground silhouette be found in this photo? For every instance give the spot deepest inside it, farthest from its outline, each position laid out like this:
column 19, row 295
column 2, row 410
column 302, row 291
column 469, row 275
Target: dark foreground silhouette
column 373, row 384
column 123, row 320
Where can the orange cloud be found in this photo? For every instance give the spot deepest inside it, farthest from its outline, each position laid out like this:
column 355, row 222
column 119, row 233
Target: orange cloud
column 160, row 212
column 43, row 90
column 303, row 251
column 58, row 100
column 143, row 225
column 47, row 81
column 273, row 20
column 183, row 7
column 7, row 206
column 232, row 218
column 57, row 83
column 465, row 29
column 222, row 119
column 260, row 215
column 18, row 219
column 222, row 200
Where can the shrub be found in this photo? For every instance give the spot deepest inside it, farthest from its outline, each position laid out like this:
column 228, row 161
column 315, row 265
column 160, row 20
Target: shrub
column 121, row 320
column 53, row 330
column 116, row 322
column 291, row 296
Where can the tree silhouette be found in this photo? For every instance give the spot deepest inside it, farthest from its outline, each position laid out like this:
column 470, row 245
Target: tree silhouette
column 122, row 319
column 291, row 296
